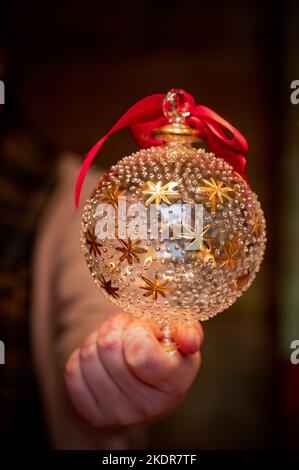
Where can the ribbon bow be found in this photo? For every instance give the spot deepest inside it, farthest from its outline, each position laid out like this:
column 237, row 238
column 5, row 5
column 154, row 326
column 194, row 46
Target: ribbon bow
column 147, row 115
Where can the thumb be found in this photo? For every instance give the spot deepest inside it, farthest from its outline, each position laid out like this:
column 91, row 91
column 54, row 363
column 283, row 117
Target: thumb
column 150, row 363
column 146, row 357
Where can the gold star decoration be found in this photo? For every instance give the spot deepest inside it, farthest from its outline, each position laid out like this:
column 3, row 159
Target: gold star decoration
column 155, row 287
column 231, row 255
column 216, row 191
column 107, row 285
column 196, row 235
column 130, row 251
column 256, row 223
column 200, row 243
column 112, row 195
column 92, row 242
column 159, row 193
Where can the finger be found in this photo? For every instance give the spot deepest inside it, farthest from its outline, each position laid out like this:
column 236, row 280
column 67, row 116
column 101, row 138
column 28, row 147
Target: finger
column 148, row 360
column 79, row 393
column 103, row 389
column 110, row 350
column 188, row 337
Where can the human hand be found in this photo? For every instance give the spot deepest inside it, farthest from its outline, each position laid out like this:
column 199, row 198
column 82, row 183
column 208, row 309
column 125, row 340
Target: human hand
column 122, row 375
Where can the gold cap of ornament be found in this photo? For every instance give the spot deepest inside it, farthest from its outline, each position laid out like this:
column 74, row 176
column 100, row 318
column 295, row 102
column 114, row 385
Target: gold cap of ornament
column 176, row 130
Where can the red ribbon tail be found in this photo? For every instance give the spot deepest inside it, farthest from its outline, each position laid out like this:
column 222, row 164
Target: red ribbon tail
column 221, row 137
column 145, row 109
column 222, row 129
column 85, row 166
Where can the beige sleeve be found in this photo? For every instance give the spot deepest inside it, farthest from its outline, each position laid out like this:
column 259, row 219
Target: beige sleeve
column 67, row 306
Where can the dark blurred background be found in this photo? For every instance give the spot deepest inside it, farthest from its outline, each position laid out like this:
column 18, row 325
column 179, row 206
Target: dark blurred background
column 72, row 68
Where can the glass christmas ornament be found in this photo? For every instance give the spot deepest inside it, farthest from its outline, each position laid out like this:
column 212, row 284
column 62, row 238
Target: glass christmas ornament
column 173, row 232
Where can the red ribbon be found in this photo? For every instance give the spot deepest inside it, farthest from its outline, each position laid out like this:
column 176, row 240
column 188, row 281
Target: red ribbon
column 147, row 114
